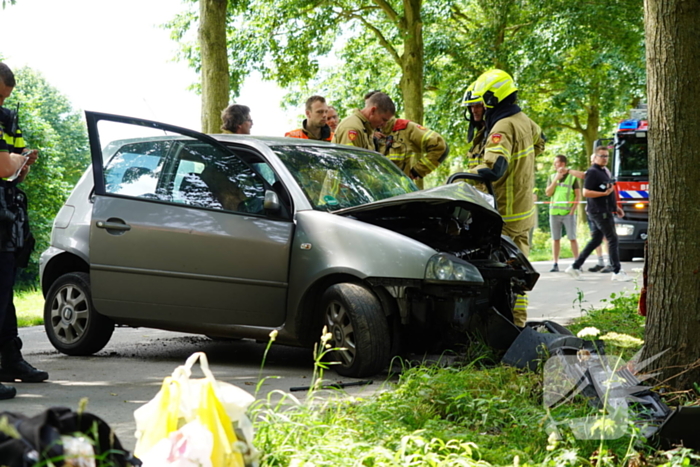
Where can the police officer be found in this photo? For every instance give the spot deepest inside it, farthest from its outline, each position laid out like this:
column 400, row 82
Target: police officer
column 415, row 149
column 358, row 128
column 511, row 143
column 16, row 242
column 314, row 125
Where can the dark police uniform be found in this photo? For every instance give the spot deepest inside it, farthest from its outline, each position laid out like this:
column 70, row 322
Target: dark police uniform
column 16, row 244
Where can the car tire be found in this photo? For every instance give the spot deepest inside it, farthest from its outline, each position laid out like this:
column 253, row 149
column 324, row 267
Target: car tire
column 355, row 318
column 72, row 324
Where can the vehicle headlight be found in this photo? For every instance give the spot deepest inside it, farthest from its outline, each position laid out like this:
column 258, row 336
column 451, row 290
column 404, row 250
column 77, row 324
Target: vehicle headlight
column 624, row 230
column 442, row 267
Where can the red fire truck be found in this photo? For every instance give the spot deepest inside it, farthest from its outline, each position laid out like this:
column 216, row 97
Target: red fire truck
column 630, row 168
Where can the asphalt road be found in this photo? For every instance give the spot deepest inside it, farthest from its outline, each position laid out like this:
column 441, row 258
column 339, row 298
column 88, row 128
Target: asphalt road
column 130, row 370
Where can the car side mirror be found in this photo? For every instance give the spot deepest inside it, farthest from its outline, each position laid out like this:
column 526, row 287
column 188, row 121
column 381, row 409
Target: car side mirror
column 272, row 201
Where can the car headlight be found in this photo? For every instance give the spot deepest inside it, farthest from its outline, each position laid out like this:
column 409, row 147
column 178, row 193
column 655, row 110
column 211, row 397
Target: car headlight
column 624, row 230
column 442, row 267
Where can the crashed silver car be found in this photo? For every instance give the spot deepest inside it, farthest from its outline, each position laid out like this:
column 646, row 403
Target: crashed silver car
column 236, row 236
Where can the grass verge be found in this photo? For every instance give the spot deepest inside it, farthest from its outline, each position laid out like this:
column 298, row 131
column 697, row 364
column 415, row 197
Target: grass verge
column 475, row 415
column 30, row 307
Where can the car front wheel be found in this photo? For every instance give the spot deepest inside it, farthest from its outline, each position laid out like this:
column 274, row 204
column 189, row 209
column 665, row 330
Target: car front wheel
column 355, row 318
column 71, row 322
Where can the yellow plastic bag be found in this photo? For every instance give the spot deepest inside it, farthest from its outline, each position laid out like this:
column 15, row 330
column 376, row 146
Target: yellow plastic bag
column 182, row 399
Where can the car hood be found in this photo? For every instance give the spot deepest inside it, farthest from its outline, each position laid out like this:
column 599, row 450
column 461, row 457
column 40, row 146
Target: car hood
column 455, row 192
column 453, row 218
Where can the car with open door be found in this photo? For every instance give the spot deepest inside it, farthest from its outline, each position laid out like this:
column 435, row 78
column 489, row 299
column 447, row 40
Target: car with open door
column 235, row 236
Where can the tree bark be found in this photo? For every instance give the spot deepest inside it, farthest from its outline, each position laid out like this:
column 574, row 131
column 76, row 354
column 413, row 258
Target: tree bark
column 412, row 80
column 215, row 79
column 673, row 314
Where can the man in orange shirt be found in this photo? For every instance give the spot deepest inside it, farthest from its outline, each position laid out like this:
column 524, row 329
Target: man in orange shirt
column 314, row 125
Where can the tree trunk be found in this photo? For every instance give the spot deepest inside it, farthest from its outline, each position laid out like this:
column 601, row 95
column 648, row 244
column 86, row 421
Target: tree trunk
column 590, row 133
column 215, row 80
column 673, row 315
column 412, row 72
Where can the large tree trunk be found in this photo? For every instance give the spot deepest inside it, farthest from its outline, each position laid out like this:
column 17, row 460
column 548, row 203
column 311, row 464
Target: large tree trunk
column 673, row 60
column 412, row 67
column 215, row 81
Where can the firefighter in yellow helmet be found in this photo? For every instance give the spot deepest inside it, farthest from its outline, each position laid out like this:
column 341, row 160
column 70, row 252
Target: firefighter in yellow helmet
column 415, row 149
column 511, row 143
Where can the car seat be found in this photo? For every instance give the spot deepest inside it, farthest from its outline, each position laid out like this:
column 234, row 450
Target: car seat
column 195, row 192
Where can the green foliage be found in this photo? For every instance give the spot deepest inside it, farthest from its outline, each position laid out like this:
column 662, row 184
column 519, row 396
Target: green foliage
column 30, row 307
column 50, row 125
column 618, row 314
column 579, row 65
column 476, row 415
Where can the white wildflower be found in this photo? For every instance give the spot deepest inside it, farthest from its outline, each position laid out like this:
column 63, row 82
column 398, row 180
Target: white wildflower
column 588, row 332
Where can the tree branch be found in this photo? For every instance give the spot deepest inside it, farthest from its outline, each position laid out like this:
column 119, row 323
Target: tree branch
column 380, row 37
column 391, row 14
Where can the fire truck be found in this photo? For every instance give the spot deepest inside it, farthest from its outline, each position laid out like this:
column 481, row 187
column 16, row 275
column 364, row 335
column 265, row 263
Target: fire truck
column 630, row 168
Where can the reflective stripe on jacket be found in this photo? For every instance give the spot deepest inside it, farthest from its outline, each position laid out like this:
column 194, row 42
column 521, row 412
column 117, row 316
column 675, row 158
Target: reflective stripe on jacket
column 413, row 146
column 563, row 196
column 518, row 140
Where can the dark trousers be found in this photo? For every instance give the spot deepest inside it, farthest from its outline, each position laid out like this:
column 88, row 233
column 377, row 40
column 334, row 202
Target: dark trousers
column 8, row 315
column 605, row 227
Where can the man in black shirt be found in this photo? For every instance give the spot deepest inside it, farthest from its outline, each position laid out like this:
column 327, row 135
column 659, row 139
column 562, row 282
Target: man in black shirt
column 601, row 209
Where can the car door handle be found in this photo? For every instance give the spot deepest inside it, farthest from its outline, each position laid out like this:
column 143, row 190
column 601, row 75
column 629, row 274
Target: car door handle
column 113, row 226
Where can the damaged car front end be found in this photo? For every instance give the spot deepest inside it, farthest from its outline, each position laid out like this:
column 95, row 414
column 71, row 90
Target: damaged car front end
column 470, row 285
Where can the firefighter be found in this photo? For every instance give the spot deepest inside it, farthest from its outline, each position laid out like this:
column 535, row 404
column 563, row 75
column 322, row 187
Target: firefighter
column 511, row 143
column 16, row 242
column 314, row 125
column 358, row 129
column 415, row 149
column 474, row 114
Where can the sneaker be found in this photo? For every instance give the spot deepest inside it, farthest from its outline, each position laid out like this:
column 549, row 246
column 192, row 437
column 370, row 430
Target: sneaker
column 621, row 276
column 555, row 268
column 573, row 272
column 595, row 268
column 607, row 269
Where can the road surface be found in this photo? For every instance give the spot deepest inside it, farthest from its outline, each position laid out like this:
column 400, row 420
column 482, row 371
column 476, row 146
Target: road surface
column 130, row 370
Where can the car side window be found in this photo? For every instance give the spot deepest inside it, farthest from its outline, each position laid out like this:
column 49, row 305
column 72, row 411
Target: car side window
column 204, row 176
column 134, row 169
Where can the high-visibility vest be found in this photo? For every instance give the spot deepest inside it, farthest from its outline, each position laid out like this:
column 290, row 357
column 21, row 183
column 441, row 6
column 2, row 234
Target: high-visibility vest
column 563, row 196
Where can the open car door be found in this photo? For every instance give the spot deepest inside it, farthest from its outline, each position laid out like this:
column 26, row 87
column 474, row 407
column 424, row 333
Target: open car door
column 179, row 231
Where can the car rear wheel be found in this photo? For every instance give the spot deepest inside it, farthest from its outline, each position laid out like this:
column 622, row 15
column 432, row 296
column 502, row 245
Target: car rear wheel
column 70, row 319
column 355, row 318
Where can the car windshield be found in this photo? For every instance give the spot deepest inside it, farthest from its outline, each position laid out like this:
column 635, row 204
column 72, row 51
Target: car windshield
column 335, row 178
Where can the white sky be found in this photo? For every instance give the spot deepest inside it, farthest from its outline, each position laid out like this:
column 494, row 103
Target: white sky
column 113, row 57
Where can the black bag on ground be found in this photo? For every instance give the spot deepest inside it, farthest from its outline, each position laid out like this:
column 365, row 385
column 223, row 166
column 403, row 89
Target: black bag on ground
column 40, row 438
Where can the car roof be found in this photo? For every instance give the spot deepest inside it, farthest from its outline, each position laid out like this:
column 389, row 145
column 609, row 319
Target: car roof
column 270, row 141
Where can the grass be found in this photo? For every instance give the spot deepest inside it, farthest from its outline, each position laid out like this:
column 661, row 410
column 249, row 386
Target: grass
column 541, row 248
column 30, row 308
column 479, row 414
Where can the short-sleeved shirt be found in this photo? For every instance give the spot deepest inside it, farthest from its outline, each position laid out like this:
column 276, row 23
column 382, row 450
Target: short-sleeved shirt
column 597, row 179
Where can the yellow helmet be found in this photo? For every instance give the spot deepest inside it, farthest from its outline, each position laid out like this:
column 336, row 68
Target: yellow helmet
column 492, row 87
column 470, row 98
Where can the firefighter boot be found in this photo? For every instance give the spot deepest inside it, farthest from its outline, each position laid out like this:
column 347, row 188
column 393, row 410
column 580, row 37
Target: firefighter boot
column 13, row 366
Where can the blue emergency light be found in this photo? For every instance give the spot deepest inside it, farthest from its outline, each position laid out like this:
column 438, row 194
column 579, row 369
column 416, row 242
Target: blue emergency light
column 628, row 125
